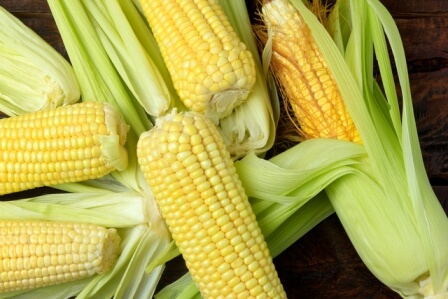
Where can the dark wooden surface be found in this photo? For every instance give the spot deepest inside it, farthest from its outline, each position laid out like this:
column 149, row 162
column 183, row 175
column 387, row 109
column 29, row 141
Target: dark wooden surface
column 323, row 264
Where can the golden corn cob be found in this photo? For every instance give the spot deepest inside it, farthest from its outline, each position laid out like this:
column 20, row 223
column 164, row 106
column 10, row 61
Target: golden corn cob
column 66, row 144
column 35, row 253
column 304, row 76
column 200, row 196
column 211, row 69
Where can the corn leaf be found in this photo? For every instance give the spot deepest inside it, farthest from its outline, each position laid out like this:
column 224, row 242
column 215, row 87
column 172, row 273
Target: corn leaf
column 109, row 209
column 98, row 78
column 33, row 75
column 129, row 57
column 251, row 127
column 423, row 198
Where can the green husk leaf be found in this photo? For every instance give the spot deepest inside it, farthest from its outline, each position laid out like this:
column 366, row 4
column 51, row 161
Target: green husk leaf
column 98, row 78
column 150, row 247
column 426, row 205
column 127, row 280
column 292, row 178
column 251, row 127
column 338, row 24
column 61, row 291
column 129, row 57
column 143, row 32
column 182, row 288
column 33, row 75
column 104, row 184
column 168, row 254
column 108, row 209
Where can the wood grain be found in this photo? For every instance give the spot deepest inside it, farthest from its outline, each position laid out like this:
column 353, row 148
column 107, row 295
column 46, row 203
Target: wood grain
column 427, row 7
column 323, row 263
column 428, row 69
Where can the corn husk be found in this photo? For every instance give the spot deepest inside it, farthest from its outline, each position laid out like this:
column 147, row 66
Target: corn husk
column 33, row 75
column 252, row 125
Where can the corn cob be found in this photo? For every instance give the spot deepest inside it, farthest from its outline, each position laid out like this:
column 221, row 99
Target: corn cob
column 211, row 69
column 200, row 196
column 304, row 76
column 66, row 144
column 39, row 253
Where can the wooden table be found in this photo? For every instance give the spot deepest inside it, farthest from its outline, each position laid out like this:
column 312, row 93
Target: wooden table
column 323, row 264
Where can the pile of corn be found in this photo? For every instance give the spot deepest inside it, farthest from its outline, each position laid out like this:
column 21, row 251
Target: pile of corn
column 191, row 178
column 156, row 148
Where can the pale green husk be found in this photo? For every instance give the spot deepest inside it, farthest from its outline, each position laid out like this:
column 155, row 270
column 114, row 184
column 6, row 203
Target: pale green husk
column 251, row 127
column 33, row 75
column 97, row 74
column 122, row 41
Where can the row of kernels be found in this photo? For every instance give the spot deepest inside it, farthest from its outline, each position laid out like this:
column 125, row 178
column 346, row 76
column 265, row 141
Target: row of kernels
column 44, row 162
column 57, row 118
column 58, row 143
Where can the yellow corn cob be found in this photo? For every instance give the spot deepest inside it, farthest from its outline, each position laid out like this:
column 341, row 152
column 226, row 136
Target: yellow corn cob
column 303, row 74
column 39, row 253
column 200, row 196
column 211, row 69
column 66, row 144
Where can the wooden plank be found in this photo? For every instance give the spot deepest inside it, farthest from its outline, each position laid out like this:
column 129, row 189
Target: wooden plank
column 430, row 95
column 398, row 7
column 26, row 6
column 425, row 39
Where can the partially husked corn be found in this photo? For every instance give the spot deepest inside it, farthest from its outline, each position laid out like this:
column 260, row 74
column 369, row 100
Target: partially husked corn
column 303, row 74
column 211, row 68
column 67, row 144
column 36, row 253
column 201, row 197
